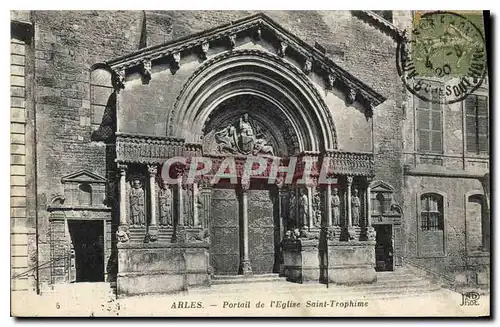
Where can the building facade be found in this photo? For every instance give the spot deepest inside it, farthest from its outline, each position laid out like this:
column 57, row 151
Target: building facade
column 101, row 100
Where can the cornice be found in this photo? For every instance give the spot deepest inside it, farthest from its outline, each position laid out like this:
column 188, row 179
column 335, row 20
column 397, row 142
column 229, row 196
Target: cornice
column 379, row 22
column 313, row 59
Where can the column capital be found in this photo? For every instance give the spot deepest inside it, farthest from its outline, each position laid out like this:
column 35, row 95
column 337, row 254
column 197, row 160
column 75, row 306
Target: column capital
column 152, row 169
column 122, row 168
column 245, row 184
column 349, row 180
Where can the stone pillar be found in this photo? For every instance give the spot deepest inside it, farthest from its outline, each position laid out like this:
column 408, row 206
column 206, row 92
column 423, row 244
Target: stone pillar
column 153, row 225
column 349, row 199
column 180, row 202
column 310, row 207
column 328, row 201
column 246, row 267
column 206, row 201
column 123, row 231
column 195, row 205
column 180, row 229
column 350, row 229
column 370, row 231
column 368, row 207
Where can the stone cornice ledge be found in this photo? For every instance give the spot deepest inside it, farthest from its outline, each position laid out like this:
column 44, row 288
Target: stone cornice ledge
column 442, row 172
column 381, row 23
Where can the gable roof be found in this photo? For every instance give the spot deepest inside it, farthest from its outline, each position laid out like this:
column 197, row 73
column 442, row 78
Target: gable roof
column 83, row 175
column 259, row 25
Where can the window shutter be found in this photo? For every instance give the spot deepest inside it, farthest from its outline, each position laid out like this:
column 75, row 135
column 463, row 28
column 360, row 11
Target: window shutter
column 437, row 141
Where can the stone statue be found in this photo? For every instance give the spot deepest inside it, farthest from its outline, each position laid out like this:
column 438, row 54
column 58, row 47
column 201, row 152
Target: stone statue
column 355, row 208
column 335, row 207
column 137, row 203
column 317, row 209
column 165, row 200
column 199, row 205
column 304, row 208
column 292, row 213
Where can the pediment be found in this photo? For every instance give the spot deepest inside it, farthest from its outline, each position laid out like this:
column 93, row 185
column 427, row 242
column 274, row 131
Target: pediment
column 259, row 27
column 379, row 186
column 83, row 176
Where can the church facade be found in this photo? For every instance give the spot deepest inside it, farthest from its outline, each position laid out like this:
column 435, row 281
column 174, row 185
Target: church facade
column 132, row 133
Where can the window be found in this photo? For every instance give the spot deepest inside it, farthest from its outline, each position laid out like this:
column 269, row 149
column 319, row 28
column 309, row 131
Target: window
column 431, row 212
column 100, row 92
column 476, row 123
column 429, row 126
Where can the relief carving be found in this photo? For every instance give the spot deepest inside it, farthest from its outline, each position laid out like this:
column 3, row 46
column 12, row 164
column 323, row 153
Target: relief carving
column 166, row 206
column 335, row 199
column 303, row 208
column 243, row 137
column 137, row 202
column 355, row 208
column 317, row 209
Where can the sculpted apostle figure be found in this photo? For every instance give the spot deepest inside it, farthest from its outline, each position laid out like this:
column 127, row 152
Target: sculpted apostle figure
column 335, row 207
column 304, row 208
column 292, row 213
column 355, row 208
column 137, row 203
column 166, row 206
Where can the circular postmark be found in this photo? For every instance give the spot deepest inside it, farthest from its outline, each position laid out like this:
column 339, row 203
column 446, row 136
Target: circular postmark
column 443, row 59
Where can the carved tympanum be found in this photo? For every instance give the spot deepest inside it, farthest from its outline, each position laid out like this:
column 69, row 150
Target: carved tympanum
column 243, row 137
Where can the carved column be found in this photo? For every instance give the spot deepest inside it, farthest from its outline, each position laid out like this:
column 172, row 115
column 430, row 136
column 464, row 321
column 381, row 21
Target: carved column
column 310, row 207
column 328, row 201
column 246, row 268
column 195, row 205
column 153, row 226
column 206, row 201
column 350, row 229
column 123, row 231
column 179, row 227
column 370, row 231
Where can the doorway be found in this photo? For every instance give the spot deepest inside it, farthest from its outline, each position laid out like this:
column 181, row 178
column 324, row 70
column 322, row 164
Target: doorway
column 384, row 251
column 87, row 240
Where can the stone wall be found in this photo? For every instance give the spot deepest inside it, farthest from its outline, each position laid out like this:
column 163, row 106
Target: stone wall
column 23, row 244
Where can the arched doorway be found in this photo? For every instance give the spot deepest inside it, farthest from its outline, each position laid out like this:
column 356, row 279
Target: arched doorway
column 241, row 104
column 246, row 125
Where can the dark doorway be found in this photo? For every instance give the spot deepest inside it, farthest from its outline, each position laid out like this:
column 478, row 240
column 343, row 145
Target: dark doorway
column 87, row 238
column 384, row 251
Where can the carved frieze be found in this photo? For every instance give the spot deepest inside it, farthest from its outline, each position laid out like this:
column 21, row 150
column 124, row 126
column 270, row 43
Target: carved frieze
column 147, row 149
column 350, row 163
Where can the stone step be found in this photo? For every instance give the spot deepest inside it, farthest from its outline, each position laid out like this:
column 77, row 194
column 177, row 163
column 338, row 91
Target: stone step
column 364, row 290
column 240, row 279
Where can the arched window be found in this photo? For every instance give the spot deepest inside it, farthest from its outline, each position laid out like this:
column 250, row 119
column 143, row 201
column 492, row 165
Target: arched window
column 85, row 194
column 431, row 212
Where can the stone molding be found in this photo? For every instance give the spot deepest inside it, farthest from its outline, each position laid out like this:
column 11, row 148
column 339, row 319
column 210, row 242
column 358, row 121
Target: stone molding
column 379, row 22
column 253, row 24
